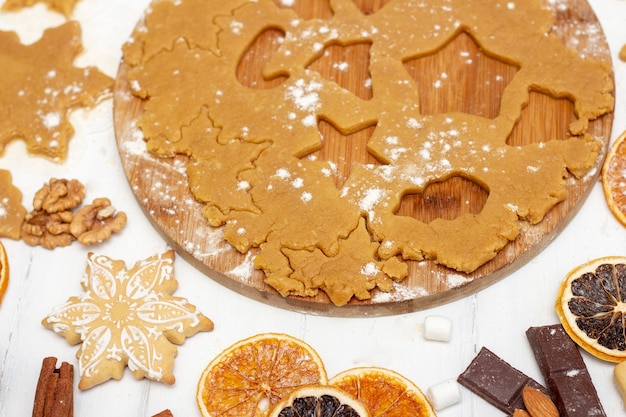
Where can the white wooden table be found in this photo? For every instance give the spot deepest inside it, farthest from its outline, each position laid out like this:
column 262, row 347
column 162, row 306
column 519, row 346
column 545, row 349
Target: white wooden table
column 40, row 280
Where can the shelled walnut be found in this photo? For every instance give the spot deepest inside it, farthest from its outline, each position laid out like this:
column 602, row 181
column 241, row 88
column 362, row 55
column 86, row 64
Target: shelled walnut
column 59, row 195
column 47, row 229
column 53, row 222
column 96, row 222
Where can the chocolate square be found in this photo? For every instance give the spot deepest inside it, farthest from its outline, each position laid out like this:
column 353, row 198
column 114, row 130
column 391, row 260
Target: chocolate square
column 554, row 350
column 496, row 381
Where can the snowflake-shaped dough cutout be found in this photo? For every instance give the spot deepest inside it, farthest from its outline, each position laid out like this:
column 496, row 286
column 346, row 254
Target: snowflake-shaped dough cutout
column 66, row 7
column 127, row 317
column 40, row 85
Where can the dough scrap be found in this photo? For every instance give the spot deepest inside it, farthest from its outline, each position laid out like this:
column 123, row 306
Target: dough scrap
column 335, row 274
column 40, row 86
column 189, row 80
column 12, row 212
column 66, row 7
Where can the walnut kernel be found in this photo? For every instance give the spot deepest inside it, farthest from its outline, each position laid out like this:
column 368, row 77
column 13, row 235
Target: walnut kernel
column 49, row 230
column 96, row 222
column 59, row 195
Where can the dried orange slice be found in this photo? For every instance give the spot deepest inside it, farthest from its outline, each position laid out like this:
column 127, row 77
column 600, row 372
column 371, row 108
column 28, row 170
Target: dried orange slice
column 591, row 305
column 614, row 178
column 320, row 400
column 254, row 374
column 4, row 271
column 384, row 392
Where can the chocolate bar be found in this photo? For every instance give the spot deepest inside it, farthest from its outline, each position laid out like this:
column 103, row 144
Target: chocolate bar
column 497, row 382
column 565, row 372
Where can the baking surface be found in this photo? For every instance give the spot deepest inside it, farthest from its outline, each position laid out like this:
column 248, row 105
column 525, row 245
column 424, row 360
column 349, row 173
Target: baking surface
column 165, row 197
column 495, row 317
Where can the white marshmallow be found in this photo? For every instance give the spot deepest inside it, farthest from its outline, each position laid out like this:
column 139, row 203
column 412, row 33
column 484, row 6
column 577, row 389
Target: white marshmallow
column 444, row 394
column 437, row 328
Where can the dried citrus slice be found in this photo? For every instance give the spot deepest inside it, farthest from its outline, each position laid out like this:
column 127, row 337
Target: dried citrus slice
column 254, row 374
column 614, row 178
column 591, row 305
column 4, row 271
column 384, row 392
column 320, row 400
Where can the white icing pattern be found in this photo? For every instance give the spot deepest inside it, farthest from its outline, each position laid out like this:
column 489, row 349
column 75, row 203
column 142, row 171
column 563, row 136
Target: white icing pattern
column 127, row 317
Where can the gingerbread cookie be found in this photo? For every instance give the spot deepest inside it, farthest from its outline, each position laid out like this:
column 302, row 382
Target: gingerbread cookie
column 12, row 212
column 40, row 86
column 127, row 317
column 259, row 139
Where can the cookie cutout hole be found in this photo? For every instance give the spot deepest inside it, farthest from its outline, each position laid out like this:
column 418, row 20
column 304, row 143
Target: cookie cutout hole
column 348, row 66
column 445, row 200
column 343, row 151
column 460, row 77
column 560, row 113
column 250, row 67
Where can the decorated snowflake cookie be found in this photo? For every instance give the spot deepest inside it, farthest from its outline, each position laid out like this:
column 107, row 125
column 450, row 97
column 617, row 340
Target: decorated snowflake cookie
column 127, row 317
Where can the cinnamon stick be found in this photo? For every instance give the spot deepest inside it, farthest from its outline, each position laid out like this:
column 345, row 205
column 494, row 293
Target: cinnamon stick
column 51, row 385
column 47, row 369
column 164, row 413
column 54, row 395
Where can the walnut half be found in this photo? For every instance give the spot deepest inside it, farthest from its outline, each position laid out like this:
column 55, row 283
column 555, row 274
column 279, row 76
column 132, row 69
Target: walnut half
column 96, row 222
column 59, row 195
column 47, row 229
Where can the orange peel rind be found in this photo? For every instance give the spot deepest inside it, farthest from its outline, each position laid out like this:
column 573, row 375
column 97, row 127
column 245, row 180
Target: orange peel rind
column 4, row 271
column 614, row 178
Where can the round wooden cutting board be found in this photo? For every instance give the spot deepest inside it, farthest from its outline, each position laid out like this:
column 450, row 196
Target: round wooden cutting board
column 161, row 187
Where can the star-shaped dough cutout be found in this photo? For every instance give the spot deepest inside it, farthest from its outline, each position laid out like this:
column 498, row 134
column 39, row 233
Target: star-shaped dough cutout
column 127, row 317
column 40, row 85
column 66, row 7
column 354, row 271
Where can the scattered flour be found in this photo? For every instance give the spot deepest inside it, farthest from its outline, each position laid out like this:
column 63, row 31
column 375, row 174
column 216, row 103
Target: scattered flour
column 341, row 66
column 3, row 207
column 52, row 120
column 372, row 197
column 304, row 95
column 399, row 292
column 244, row 270
column 306, row 197
column 370, row 269
column 456, row 280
